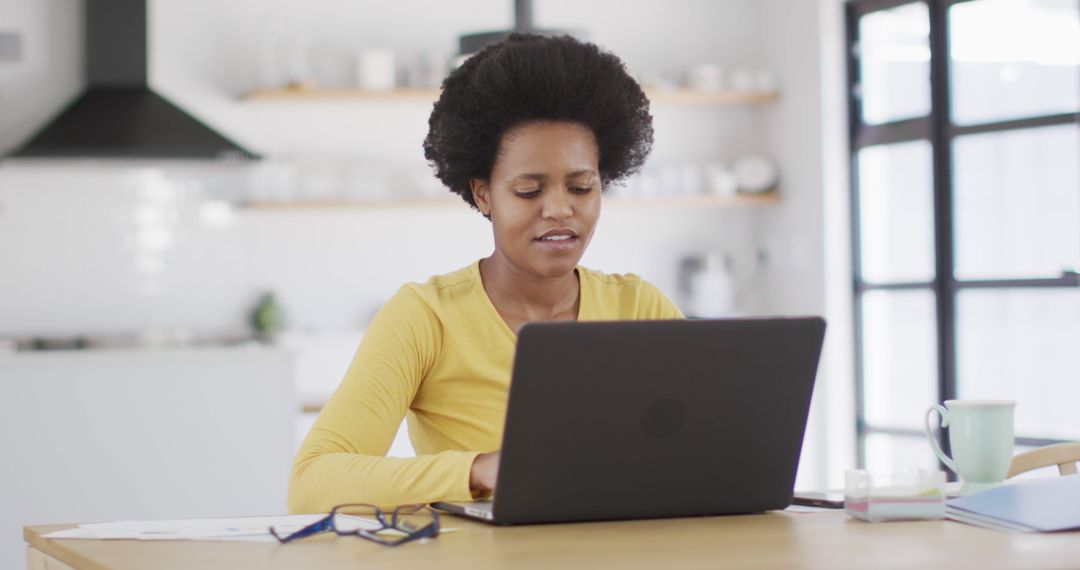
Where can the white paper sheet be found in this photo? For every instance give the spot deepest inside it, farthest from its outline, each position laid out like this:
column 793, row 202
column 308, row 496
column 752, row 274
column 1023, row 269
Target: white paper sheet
column 246, row 528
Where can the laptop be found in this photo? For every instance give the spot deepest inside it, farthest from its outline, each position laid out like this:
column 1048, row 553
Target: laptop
column 653, row 419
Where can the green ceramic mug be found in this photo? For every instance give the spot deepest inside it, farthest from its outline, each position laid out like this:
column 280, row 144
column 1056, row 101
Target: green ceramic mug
column 981, row 438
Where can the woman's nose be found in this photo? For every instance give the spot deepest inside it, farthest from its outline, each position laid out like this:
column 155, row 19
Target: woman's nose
column 557, row 205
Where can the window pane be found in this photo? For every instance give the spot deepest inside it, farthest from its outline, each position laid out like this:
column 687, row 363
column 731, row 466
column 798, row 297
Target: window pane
column 1017, row 197
column 887, row 453
column 896, row 212
column 894, row 56
column 1013, row 59
column 899, row 357
column 1022, row 344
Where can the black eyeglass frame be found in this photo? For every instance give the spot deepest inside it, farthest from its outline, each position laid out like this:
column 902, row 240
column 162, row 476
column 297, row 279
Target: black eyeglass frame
column 430, row 530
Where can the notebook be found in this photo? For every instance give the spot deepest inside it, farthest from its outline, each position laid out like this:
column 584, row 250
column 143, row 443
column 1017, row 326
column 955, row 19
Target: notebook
column 1038, row 505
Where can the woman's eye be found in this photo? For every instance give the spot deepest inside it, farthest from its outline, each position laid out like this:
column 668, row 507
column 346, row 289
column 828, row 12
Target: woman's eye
column 584, row 190
column 527, row 193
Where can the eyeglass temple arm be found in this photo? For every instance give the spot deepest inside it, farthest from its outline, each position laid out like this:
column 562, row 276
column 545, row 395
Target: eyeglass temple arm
column 313, row 528
column 426, row 532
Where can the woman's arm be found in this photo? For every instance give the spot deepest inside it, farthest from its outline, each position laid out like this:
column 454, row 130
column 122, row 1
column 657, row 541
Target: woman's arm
column 342, row 460
column 484, row 473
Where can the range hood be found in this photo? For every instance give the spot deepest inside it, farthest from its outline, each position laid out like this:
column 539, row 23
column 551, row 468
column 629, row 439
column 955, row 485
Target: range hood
column 523, row 22
column 119, row 116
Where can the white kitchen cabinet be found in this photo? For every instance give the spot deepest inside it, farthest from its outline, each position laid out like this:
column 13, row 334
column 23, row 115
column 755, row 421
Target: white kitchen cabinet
column 142, row 434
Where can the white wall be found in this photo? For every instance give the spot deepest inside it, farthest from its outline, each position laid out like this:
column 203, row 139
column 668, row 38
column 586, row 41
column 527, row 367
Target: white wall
column 834, row 426
column 50, row 74
column 794, row 231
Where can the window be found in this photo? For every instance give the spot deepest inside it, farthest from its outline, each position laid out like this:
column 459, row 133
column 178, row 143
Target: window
column 965, row 158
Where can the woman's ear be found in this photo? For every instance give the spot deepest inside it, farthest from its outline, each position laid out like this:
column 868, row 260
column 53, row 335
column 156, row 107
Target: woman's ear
column 481, row 195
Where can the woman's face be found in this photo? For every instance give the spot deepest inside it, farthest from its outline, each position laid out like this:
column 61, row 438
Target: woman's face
column 543, row 196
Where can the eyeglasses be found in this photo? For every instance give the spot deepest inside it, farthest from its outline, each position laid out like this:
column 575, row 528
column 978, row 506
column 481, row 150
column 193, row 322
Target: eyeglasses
column 415, row 521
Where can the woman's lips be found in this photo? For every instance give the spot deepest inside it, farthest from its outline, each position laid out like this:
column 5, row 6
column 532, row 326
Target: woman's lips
column 557, row 245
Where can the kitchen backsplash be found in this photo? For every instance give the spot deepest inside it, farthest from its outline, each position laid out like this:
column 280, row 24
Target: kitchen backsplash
column 167, row 249
column 122, row 248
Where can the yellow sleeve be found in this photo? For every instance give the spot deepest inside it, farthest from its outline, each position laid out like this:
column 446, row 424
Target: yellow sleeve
column 342, row 459
column 654, row 304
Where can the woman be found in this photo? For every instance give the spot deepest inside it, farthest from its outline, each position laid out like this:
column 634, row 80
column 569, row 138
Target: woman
column 528, row 132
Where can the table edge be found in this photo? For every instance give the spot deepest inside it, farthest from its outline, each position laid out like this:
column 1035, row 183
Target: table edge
column 33, row 536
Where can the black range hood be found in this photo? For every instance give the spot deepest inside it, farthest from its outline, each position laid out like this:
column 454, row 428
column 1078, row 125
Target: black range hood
column 119, row 116
column 523, row 22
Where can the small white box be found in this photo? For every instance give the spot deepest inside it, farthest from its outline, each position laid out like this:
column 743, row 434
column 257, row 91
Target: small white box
column 911, row 494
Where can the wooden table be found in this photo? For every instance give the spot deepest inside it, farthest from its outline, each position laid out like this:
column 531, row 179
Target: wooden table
column 773, row 540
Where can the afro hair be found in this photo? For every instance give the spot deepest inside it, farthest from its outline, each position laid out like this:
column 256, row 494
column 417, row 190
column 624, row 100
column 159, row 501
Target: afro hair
column 527, row 78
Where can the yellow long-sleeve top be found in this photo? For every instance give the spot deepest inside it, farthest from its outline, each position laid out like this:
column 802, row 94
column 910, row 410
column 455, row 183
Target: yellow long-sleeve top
column 440, row 353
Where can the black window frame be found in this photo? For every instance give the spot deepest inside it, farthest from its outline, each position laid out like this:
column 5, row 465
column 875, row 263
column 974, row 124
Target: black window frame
column 938, row 130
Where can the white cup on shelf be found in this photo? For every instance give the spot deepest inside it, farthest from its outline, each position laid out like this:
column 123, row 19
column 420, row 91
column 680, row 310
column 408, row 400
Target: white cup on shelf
column 764, row 81
column 376, row 70
column 721, row 181
column 707, row 77
column 743, row 80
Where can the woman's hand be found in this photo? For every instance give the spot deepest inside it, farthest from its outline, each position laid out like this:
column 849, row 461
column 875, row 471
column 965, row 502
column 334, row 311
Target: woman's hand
column 485, row 470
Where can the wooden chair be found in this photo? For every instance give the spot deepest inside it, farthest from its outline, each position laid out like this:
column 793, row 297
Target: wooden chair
column 1064, row 455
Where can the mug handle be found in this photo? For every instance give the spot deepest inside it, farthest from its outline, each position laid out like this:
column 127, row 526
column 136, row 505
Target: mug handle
column 944, row 413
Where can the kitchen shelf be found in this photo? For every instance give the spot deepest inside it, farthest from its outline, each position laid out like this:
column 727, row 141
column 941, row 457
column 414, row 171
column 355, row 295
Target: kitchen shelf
column 310, row 94
column 702, row 201
column 664, row 96
column 695, row 97
column 699, row 201
column 311, row 407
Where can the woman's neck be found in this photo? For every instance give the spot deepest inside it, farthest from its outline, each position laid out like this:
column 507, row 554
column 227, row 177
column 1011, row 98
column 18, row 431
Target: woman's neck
column 519, row 294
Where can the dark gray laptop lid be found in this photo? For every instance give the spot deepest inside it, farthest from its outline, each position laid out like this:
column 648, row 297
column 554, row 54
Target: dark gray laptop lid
column 614, row 420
